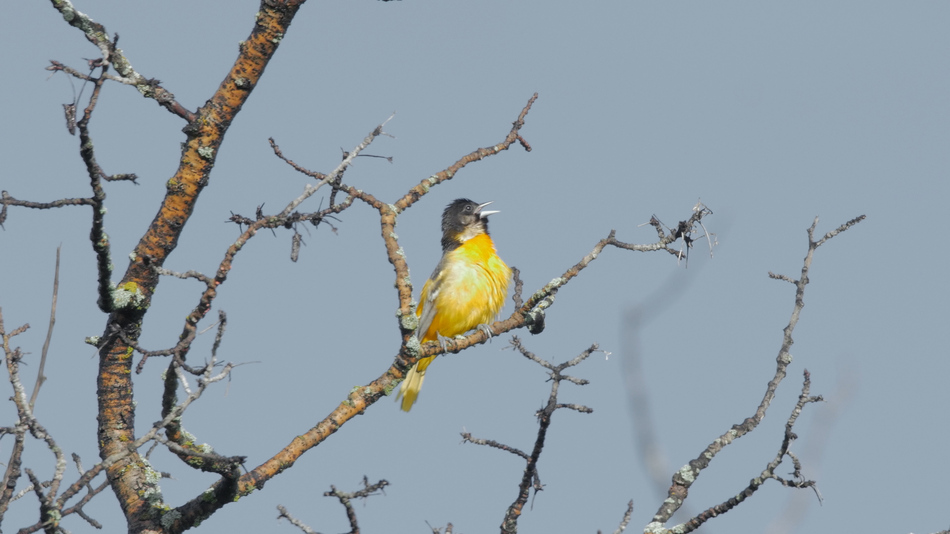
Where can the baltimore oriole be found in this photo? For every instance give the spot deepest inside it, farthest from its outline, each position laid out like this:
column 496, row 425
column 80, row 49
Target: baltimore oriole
column 467, row 289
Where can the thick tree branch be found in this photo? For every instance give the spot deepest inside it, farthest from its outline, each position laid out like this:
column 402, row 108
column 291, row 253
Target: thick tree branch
column 129, row 477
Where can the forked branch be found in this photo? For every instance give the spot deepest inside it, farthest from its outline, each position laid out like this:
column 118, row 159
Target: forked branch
column 688, row 474
column 530, row 480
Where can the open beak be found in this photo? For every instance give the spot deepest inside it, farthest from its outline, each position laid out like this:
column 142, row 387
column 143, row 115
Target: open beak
column 482, row 214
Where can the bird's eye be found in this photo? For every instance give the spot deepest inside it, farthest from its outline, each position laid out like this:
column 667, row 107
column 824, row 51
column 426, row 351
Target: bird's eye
column 468, row 209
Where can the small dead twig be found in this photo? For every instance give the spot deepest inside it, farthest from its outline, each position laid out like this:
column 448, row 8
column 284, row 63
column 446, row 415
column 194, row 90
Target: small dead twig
column 626, row 519
column 530, row 480
column 40, row 377
column 284, row 514
column 344, row 498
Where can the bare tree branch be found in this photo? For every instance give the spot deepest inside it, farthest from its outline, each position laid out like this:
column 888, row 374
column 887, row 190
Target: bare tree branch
column 687, row 475
column 530, row 479
column 97, row 35
column 345, row 499
column 284, row 514
column 626, row 518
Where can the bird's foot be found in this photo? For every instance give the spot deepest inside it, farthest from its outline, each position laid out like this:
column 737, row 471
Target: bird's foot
column 443, row 342
column 487, row 329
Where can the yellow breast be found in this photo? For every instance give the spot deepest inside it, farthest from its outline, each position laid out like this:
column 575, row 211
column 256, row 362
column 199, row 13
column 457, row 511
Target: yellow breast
column 472, row 288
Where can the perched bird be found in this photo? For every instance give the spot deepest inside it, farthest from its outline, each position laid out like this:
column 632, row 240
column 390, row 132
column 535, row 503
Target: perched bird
column 466, row 290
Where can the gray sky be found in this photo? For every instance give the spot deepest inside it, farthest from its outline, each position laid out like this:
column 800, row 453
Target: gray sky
column 771, row 114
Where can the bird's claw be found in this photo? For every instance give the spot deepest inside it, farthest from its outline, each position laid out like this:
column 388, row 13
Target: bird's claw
column 487, row 329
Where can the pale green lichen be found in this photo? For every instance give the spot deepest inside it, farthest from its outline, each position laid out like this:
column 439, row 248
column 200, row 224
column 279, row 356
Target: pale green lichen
column 537, row 312
column 151, row 476
column 54, row 516
column 128, row 295
column 68, row 13
column 686, row 472
column 413, row 346
column 409, row 322
column 92, row 340
column 169, row 518
column 132, row 256
column 277, row 38
column 103, row 242
column 206, row 152
column 245, row 493
column 153, row 494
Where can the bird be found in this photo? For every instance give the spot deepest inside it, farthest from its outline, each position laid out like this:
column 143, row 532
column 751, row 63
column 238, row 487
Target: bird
column 466, row 290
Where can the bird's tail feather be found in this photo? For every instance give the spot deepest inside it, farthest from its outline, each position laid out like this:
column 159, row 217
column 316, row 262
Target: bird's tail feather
column 409, row 390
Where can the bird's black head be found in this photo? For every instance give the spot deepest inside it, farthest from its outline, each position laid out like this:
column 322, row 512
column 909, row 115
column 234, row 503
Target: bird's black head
column 463, row 220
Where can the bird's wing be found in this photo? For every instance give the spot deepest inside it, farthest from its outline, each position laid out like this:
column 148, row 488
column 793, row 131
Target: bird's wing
column 427, row 300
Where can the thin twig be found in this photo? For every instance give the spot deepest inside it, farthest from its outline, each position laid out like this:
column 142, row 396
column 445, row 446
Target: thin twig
column 40, row 377
column 345, row 498
column 284, row 514
column 626, row 519
column 467, row 437
column 27, row 422
column 688, row 474
column 530, row 478
column 768, row 473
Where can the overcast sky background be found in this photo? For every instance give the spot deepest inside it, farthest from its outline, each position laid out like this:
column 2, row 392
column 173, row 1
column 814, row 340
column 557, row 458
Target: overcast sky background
column 770, row 114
